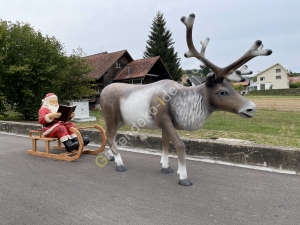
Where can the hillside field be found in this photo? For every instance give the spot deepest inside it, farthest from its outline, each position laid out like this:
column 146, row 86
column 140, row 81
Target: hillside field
column 282, row 103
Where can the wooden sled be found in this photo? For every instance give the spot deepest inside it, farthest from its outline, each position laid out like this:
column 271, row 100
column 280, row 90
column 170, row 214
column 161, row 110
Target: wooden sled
column 36, row 135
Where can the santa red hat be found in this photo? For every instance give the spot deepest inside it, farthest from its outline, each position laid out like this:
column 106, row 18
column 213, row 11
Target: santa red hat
column 49, row 96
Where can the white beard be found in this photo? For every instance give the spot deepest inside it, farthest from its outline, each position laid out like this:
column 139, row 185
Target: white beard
column 53, row 108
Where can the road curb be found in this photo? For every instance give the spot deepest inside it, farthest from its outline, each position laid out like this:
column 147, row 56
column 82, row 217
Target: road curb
column 227, row 150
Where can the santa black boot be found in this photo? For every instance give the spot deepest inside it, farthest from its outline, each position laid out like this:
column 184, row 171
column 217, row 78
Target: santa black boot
column 86, row 140
column 70, row 146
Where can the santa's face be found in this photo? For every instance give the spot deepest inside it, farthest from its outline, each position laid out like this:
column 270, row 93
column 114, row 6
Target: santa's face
column 53, row 102
column 53, row 105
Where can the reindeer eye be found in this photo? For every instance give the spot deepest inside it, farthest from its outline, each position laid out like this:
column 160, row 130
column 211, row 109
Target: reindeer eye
column 222, row 93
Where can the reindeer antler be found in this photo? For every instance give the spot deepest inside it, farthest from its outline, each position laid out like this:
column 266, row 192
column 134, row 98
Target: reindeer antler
column 230, row 72
column 244, row 70
column 204, row 44
column 236, row 75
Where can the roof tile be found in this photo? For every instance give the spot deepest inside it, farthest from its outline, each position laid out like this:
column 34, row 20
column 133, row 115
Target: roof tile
column 138, row 68
column 102, row 62
column 244, row 83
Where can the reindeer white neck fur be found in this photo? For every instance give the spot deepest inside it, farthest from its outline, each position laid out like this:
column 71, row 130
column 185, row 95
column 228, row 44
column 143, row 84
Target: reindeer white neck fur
column 169, row 106
column 189, row 109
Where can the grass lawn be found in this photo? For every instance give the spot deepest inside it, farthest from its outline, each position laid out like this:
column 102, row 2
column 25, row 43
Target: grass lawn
column 272, row 127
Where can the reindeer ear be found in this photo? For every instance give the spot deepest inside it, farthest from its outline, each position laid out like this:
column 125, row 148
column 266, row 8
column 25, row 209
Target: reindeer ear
column 209, row 80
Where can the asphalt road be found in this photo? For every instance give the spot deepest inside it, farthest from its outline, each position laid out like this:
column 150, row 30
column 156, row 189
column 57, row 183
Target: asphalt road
column 37, row 190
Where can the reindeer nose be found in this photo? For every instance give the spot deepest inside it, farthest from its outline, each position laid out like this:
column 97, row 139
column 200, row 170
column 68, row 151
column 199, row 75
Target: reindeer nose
column 248, row 110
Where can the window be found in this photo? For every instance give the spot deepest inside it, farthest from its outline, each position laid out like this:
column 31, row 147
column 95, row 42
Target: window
column 118, row 65
column 278, row 70
column 97, row 89
column 137, row 81
column 278, row 77
column 262, row 79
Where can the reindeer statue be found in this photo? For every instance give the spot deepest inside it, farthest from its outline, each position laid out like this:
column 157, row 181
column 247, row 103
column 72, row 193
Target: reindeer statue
column 168, row 105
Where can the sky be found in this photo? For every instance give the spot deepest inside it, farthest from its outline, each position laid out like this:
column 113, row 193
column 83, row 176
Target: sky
column 113, row 25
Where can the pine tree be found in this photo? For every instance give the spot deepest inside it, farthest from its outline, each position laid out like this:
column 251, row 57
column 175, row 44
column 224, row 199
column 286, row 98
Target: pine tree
column 160, row 43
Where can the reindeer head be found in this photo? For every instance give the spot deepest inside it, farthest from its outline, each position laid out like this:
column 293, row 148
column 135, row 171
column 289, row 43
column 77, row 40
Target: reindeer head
column 219, row 94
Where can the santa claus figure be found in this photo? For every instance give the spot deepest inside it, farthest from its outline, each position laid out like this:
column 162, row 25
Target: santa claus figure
column 53, row 127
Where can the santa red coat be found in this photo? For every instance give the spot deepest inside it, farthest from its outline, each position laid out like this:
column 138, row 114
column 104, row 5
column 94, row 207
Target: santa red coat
column 55, row 128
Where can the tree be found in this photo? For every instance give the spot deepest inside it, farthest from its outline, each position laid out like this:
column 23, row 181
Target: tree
column 2, row 102
column 205, row 71
column 3, row 34
column 295, row 85
column 32, row 65
column 74, row 85
column 293, row 74
column 198, row 72
column 254, row 79
column 238, row 87
column 160, row 43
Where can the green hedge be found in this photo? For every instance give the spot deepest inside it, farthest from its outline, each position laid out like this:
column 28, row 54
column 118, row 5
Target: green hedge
column 295, row 85
column 281, row 92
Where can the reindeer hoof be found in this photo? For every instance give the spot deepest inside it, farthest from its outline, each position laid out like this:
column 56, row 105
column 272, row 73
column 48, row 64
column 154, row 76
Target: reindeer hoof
column 166, row 170
column 185, row 182
column 121, row 168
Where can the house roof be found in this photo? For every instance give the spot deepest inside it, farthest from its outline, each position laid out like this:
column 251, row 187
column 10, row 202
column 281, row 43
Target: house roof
column 244, row 83
column 292, row 79
column 103, row 61
column 276, row 64
column 138, row 68
column 196, row 80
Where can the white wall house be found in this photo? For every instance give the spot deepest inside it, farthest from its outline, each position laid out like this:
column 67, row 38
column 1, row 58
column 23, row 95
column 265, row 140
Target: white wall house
column 274, row 77
column 253, row 86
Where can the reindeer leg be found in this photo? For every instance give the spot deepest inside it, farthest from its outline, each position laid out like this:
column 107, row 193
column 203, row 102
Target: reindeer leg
column 165, row 154
column 165, row 123
column 111, row 136
column 109, row 155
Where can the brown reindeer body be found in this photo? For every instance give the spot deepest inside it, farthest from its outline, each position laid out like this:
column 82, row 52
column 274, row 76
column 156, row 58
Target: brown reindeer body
column 168, row 105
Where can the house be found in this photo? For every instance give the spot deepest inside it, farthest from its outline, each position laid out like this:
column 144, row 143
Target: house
column 245, row 85
column 143, row 71
column 195, row 80
column 274, row 77
column 252, row 86
column 121, row 67
column 294, row 79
